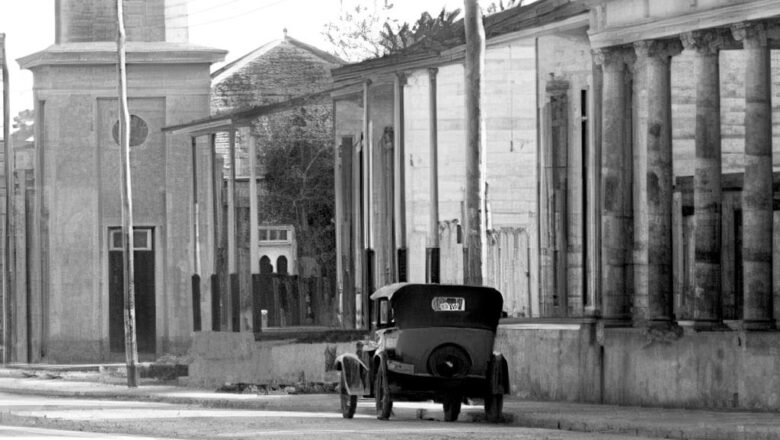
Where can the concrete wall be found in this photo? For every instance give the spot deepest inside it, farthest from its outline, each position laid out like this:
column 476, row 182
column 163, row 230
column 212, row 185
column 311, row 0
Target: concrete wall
column 81, row 197
column 220, row 357
column 731, row 369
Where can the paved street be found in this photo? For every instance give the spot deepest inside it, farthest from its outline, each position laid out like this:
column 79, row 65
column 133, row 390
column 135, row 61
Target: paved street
column 81, row 418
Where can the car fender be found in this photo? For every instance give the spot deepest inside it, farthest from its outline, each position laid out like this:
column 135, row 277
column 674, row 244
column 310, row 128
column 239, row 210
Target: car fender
column 354, row 371
column 498, row 374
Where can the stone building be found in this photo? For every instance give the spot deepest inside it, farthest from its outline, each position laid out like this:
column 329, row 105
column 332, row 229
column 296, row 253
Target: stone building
column 633, row 141
column 72, row 271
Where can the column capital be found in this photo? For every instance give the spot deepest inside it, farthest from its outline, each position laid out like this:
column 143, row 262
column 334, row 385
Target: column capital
column 614, row 56
column 402, row 78
column 663, row 49
column 707, row 42
column 432, row 71
column 557, row 86
column 753, row 35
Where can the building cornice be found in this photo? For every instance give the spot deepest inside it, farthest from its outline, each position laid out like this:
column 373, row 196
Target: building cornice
column 97, row 53
column 654, row 28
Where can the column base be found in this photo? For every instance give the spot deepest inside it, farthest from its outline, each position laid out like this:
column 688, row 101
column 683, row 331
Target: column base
column 710, row 326
column 758, row 325
column 611, row 322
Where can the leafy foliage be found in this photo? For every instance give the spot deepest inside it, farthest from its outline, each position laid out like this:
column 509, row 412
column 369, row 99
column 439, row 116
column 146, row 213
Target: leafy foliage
column 363, row 32
column 427, row 26
column 298, row 157
column 500, row 6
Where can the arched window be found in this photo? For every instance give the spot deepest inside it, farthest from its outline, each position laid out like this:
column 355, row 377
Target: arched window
column 265, row 265
column 281, row 265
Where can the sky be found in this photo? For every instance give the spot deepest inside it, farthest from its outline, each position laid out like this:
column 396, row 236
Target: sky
column 238, row 26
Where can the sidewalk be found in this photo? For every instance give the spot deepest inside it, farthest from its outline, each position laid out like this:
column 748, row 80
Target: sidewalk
column 648, row 422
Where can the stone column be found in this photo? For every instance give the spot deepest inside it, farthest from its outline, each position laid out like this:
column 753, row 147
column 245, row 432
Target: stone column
column 653, row 227
column 757, row 189
column 614, row 178
column 708, row 295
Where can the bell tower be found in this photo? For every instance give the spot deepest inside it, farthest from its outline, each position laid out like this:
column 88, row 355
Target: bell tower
column 80, row 21
column 76, row 206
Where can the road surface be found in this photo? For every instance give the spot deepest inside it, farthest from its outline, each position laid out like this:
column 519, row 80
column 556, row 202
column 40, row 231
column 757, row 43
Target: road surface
column 30, row 417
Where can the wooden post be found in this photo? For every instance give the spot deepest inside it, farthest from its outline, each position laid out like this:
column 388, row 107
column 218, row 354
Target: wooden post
column 196, row 312
column 232, row 282
column 254, row 252
column 21, row 308
column 368, row 211
column 400, row 177
column 131, row 348
column 432, row 266
column 475, row 146
column 8, row 276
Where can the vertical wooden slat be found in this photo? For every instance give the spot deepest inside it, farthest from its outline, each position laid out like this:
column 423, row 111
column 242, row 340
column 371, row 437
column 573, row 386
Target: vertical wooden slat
column 727, row 255
column 21, row 310
column 678, row 262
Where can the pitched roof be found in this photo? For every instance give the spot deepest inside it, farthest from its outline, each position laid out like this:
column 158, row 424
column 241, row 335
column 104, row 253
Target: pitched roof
column 242, row 61
column 537, row 14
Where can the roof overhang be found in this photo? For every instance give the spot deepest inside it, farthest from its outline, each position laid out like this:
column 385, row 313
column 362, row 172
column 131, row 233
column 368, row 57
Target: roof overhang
column 105, row 52
column 240, row 118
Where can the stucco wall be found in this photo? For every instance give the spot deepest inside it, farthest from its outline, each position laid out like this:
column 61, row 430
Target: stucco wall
column 511, row 123
column 732, row 101
column 81, row 199
column 568, row 362
column 236, row 357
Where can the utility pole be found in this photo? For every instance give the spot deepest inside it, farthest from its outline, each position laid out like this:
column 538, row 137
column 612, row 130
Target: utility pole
column 131, row 348
column 8, row 273
column 474, row 220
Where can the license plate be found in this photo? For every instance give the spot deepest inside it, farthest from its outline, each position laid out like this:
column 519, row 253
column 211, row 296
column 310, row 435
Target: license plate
column 448, row 304
column 400, row 367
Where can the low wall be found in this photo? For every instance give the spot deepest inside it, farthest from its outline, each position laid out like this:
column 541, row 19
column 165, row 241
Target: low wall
column 730, row 369
column 575, row 362
column 224, row 357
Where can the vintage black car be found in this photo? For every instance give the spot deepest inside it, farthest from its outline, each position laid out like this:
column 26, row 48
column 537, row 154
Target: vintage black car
column 431, row 341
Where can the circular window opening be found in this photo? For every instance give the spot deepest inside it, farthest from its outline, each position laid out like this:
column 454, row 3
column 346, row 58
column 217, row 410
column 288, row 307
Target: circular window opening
column 138, row 131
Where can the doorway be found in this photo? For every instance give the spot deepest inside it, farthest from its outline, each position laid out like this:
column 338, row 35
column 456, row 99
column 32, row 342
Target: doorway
column 145, row 316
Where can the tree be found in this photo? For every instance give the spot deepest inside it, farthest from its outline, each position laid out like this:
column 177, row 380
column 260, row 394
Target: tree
column 363, row 32
column 355, row 35
column 297, row 154
column 500, row 6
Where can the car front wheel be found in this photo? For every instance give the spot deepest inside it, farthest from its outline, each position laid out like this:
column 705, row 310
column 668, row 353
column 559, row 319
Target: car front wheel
column 348, row 402
column 384, row 404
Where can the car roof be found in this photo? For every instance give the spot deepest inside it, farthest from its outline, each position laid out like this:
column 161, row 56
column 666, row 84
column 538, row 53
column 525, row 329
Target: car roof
column 413, row 305
column 391, row 290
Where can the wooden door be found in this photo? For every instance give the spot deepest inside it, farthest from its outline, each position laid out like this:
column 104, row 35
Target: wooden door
column 145, row 313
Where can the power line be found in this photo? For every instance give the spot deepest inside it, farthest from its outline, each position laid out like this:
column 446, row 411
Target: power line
column 238, row 15
column 200, row 11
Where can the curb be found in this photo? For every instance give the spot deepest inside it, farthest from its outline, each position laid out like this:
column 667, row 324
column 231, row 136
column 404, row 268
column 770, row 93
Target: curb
column 521, row 417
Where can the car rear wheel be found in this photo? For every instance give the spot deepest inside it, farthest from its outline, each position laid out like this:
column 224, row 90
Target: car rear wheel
column 494, row 405
column 348, row 402
column 384, row 404
column 451, row 407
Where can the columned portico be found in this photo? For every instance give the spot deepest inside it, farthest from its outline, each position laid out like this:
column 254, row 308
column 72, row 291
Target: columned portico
column 653, row 216
column 708, row 300
column 616, row 179
column 757, row 193
column 640, row 286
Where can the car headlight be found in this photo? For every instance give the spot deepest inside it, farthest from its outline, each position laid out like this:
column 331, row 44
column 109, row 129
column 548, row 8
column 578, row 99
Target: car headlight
column 391, row 340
